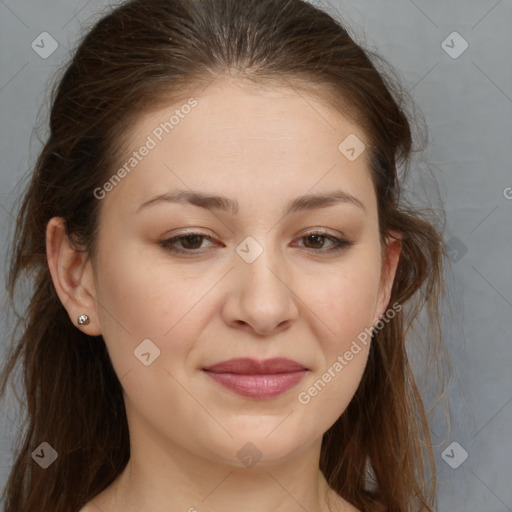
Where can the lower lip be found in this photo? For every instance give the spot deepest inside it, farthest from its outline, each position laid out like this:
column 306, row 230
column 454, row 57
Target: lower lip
column 258, row 386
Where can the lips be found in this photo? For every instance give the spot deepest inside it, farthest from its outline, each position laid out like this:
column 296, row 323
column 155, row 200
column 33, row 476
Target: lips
column 248, row 366
column 257, row 379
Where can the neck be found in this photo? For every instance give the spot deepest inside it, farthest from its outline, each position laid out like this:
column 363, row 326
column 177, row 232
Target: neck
column 177, row 480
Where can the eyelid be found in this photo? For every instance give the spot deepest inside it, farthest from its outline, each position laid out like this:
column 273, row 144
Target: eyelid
column 338, row 242
column 190, row 232
column 322, row 231
column 166, row 243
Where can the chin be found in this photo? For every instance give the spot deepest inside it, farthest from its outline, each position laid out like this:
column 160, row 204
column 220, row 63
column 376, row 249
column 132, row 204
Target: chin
column 265, row 446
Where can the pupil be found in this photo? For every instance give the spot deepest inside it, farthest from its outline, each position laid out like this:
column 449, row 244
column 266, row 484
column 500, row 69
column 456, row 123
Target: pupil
column 318, row 238
column 190, row 239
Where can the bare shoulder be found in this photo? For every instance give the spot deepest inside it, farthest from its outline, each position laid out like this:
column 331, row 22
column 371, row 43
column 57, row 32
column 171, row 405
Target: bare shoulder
column 90, row 507
column 338, row 504
column 94, row 506
column 104, row 501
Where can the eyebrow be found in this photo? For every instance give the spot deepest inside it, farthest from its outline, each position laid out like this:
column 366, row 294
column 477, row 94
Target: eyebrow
column 304, row 202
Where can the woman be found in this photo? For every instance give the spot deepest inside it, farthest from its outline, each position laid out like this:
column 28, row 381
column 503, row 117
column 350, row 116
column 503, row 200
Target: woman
column 224, row 272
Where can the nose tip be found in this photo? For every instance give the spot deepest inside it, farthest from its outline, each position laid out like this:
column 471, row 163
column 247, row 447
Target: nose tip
column 261, row 329
column 259, row 299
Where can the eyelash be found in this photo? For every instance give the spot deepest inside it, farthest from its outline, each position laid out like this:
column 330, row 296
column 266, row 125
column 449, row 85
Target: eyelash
column 339, row 243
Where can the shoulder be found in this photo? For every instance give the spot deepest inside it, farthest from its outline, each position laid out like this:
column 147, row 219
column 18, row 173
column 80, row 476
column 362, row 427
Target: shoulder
column 91, row 507
column 338, row 504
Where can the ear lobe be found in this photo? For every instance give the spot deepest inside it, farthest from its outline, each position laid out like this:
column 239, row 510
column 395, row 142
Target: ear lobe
column 390, row 258
column 72, row 276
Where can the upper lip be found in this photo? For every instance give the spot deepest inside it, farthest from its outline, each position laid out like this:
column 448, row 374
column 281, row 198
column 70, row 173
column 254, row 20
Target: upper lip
column 248, row 366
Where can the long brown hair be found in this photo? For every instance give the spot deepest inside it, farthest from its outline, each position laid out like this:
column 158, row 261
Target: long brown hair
column 143, row 54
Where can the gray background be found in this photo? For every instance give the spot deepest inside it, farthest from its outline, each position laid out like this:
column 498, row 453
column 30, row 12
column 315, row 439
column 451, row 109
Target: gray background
column 467, row 104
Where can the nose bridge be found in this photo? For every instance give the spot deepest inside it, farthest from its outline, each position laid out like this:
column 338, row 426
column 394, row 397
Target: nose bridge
column 264, row 300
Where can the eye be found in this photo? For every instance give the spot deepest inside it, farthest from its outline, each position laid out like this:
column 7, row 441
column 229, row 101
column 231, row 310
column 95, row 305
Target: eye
column 190, row 242
column 317, row 239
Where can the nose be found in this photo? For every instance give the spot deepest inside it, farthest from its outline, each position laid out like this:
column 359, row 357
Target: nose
column 261, row 298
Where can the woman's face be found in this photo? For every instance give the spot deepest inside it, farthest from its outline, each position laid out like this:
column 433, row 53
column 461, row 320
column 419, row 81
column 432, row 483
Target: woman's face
column 244, row 276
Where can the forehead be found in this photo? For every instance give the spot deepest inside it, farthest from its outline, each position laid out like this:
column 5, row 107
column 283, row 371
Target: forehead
column 233, row 110
column 235, row 135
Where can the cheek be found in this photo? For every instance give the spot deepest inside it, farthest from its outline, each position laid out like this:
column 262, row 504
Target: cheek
column 143, row 299
column 326, row 394
column 139, row 293
column 344, row 305
column 136, row 301
column 344, row 300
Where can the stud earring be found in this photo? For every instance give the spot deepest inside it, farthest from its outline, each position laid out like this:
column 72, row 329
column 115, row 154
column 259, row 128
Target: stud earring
column 83, row 320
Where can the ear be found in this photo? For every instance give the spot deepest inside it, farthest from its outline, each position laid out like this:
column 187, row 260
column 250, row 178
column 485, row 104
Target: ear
column 72, row 276
column 390, row 258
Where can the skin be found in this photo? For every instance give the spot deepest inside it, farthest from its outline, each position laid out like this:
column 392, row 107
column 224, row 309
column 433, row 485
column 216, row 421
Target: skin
column 262, row 147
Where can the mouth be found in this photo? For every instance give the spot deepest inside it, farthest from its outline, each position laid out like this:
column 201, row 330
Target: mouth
column 257, row 379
